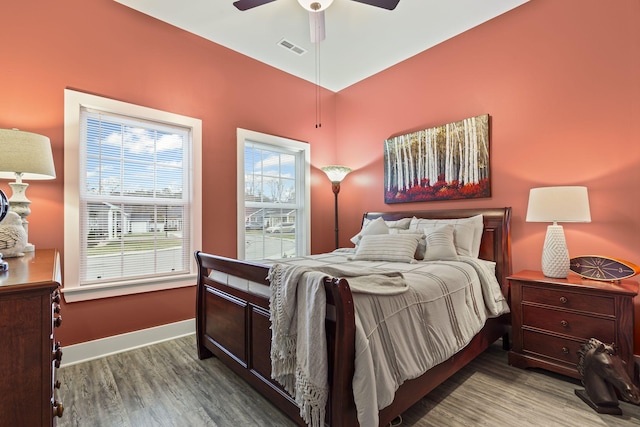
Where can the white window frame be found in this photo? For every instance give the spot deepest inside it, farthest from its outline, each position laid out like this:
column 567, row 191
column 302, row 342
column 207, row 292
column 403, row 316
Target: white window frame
column 303, row 188
column 72, row 291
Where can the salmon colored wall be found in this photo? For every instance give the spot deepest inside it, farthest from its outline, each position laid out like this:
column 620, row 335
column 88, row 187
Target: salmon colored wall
column 108, row 49
column 561, row 81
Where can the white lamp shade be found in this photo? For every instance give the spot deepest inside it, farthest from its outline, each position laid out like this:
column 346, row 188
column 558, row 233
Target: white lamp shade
column 25, row 153
column 558, row 204
column 315, row 5
column 336, row 173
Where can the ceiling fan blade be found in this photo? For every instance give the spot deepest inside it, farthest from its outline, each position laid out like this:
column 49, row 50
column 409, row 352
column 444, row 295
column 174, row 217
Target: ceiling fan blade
column 316, row 26
column 385, row 4
column 249, row 4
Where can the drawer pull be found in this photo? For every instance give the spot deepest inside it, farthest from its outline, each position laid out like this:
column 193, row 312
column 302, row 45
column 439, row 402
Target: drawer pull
column 58, row 409
column 57, row 355
column 56, row 297
column 57, row 321
column 563, row 300
column 565, row 350
column 564, row 323
column 57, row 384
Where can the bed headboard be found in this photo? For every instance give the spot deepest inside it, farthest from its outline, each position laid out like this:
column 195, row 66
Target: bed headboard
column 496, row 239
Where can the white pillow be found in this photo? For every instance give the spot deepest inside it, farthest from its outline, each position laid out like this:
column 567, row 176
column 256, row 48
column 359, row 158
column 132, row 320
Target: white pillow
column 402, row 224
column 465, row 229
column 440, row 244
column 387, row 247
column 376, row 226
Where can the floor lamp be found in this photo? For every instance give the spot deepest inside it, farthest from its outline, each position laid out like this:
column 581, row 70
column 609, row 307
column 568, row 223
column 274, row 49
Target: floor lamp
column 336, row 174
column 557, row 204
column 24, row 155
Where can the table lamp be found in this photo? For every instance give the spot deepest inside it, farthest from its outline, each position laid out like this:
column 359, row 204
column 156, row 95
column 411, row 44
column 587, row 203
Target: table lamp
column 24, row 155
column 336, row 174
column 557, row 204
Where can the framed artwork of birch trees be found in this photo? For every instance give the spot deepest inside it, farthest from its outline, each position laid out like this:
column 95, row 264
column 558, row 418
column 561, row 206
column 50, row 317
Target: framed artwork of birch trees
column 442, row 163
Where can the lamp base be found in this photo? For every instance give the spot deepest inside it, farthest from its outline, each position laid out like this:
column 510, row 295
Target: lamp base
column 20, row 204
column 555, row 255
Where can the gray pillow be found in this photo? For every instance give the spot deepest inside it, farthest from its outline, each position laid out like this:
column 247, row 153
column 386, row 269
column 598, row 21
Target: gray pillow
column 387, row 247
column 440, row 244
column 422, row 244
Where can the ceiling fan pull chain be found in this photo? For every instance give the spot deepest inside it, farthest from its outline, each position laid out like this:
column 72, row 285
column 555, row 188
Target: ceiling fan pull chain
column 318, row 94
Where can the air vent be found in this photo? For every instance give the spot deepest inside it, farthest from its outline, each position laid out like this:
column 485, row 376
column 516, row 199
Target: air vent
column 292, row 47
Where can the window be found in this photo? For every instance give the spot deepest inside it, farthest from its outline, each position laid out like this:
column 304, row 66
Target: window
column 132, row 198
column 273, row 196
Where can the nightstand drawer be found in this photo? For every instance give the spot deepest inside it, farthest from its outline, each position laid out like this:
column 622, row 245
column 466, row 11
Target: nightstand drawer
column 573, row 324
column 569, row 300
column 550, row 346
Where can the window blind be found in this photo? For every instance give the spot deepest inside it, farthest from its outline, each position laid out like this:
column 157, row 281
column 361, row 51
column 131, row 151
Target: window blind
column 135, row 198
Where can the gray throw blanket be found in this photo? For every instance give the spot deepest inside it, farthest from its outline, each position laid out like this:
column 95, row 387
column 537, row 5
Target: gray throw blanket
column 298, row 343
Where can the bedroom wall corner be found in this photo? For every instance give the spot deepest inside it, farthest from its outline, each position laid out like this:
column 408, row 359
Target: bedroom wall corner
column 559, row 80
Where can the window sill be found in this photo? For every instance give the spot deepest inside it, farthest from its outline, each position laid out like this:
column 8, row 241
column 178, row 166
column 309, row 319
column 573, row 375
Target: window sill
column 91, row 292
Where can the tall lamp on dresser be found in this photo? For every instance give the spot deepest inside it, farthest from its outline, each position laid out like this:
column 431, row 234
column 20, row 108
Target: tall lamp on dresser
column 24, row 155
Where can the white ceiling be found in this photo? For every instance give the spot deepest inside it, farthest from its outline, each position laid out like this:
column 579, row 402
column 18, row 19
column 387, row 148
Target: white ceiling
column 361, row 40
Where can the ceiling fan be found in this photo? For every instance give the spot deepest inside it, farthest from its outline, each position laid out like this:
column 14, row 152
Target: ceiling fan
column 316, row 10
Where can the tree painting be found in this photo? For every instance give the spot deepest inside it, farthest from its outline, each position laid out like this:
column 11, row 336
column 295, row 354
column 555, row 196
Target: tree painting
column 441, row 163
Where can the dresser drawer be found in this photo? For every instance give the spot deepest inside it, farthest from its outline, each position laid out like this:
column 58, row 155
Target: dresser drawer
column 569, row 300
column 573, row 324
column 557, row 348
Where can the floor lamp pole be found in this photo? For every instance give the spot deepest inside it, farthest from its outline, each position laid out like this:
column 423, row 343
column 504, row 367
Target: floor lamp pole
column 336, row 174
column 335, row 186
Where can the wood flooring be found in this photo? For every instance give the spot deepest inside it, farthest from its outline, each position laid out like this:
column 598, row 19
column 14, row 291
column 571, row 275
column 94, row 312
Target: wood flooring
column 166, row 385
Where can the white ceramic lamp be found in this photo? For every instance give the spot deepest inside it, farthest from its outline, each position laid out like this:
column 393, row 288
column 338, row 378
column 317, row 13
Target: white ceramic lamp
column 24, row 155
column 557, row 204
column 336, row 174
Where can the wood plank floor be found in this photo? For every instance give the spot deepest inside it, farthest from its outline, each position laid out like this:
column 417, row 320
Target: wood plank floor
column 166, row 385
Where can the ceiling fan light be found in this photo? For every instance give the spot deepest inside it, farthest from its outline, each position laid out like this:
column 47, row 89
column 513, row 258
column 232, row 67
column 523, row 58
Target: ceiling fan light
column 315, row 5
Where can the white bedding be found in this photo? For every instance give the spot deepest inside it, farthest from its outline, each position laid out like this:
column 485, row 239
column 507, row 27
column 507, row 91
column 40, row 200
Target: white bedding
column 399, row 337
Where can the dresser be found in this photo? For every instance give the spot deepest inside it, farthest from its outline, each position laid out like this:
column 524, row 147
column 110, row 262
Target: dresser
column 551, row 318
column 29, row 315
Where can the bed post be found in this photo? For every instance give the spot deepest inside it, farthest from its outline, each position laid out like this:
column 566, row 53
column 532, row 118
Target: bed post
column 203, row 352
column 342, row 409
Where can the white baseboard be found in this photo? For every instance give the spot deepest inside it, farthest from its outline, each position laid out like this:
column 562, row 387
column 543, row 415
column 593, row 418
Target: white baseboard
column 90, row 350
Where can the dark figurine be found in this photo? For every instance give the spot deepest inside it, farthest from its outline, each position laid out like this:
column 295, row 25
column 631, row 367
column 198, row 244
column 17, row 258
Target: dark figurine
column 602, row 373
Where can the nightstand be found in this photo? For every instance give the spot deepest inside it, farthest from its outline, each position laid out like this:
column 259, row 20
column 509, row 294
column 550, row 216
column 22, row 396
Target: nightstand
column 551, row 318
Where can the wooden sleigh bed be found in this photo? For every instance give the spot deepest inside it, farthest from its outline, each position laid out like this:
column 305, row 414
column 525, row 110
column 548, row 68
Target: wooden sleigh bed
column 233, row 324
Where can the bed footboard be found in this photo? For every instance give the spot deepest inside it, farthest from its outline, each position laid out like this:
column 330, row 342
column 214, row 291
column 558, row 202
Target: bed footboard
column 233, row 325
